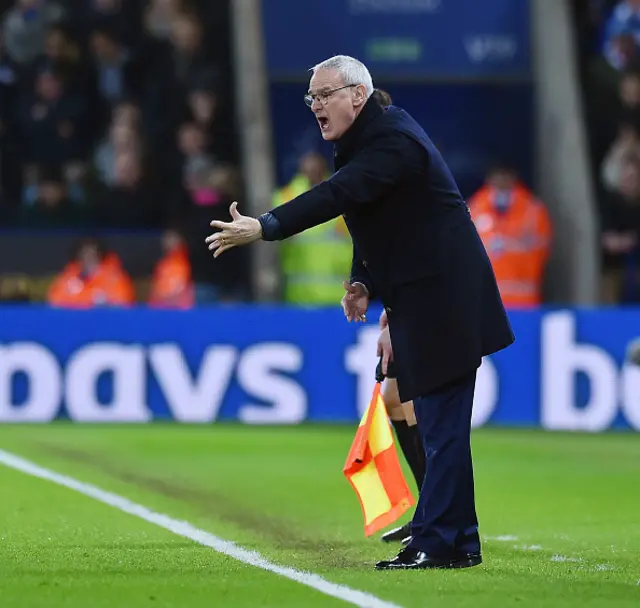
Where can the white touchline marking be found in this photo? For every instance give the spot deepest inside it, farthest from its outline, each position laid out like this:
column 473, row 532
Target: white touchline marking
column 503, row 538
column 185, row 529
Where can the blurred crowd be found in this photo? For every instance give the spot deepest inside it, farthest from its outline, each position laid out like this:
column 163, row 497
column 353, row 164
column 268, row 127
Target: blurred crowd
column 609, row 35
column 119, row 114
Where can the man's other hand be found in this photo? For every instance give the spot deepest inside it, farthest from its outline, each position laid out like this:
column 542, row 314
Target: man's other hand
column 384, row 349
column 355, row 302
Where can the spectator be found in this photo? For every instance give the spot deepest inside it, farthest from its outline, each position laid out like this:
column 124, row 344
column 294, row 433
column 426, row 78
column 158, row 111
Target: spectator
column 123, row 138
column 171, row 285
column 516, row 231
column 25, row 27
column 159, row 17
column 626, row 144
column 50, row 206
column 122, row 17
column 93, row 278
column 131, row 199
column 197, row 163
column 620, row 226
column 623, row 25
column 54, row 123
column 192, row 62
column 118, row 72
column 608, row 119
column 202, row 104
column 215, row 282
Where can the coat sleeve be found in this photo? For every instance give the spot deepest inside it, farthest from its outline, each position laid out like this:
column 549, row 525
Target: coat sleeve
column 359, row 274
column 371, row 174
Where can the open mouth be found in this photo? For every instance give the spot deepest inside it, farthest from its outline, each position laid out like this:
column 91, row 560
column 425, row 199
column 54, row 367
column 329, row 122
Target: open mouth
column 323, row 122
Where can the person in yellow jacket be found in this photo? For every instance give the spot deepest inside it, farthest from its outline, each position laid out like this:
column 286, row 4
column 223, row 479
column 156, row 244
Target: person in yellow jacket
column 316, row 262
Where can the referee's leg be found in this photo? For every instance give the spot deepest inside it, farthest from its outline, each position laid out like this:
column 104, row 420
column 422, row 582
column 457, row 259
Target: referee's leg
column 403, row 419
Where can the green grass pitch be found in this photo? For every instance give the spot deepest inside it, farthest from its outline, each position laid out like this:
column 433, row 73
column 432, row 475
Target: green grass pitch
column 559, row 516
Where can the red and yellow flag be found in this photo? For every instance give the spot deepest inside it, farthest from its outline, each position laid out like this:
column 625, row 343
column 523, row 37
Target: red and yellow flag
column 374, row 471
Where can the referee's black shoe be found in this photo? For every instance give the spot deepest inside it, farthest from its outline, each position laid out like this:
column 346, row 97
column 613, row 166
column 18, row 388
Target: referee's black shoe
column 397, row 534
column 414, row 559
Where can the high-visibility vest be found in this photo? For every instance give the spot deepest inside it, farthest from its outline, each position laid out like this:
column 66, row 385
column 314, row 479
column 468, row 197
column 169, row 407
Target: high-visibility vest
column 316, row 261
column 517, row 241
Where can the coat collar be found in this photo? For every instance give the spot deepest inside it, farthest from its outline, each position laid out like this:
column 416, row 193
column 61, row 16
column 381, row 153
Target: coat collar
column 372, row 109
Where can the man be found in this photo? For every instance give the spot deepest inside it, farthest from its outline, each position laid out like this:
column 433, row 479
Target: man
column 515, row 229
column 416, row 248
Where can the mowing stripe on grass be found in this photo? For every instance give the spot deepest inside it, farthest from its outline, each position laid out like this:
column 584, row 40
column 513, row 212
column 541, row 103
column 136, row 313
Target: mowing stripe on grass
column 185, row 529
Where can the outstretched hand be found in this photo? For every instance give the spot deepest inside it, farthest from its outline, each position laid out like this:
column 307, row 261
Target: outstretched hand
column 242, row 230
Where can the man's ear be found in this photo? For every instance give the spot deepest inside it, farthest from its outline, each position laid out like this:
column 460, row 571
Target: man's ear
column 360, row 95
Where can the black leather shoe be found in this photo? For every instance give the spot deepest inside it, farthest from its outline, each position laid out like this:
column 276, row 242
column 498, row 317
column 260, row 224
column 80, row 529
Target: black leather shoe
column 414, row 559
column 397, row 534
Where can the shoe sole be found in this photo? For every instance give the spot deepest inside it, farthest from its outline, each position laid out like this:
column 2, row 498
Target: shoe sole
column 453, row 565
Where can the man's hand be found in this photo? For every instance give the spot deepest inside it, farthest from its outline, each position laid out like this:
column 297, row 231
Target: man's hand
column 355, row 302
column 383, row 319
column 384, row 349
column 241, row 231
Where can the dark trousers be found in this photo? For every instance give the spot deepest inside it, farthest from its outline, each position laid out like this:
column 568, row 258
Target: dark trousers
column 445, row 520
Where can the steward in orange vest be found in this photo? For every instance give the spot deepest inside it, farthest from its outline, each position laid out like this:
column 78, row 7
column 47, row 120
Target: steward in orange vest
column 94, row 278
column 171, row 285
column 516, row 231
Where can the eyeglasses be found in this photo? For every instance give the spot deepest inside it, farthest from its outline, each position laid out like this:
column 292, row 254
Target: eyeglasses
column 324, row 96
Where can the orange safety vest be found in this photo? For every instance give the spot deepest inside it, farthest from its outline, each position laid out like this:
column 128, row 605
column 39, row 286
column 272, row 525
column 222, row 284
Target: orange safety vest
column 110, row 285
column 517, row 241
column 171, row 285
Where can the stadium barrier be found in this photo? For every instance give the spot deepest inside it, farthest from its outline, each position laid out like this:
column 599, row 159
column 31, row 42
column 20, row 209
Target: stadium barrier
column 274, row 365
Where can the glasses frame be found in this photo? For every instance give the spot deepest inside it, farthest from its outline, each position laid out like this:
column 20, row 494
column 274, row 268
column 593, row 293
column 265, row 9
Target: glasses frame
column 324, row 98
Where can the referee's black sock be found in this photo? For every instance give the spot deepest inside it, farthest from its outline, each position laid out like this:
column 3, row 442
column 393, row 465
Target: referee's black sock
column 411, row 446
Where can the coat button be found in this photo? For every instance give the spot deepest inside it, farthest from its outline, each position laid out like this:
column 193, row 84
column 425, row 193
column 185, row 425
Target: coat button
column 364, row 263
column 387, row 309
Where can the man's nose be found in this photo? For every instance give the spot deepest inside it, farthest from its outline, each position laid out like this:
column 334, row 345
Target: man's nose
column 316, row 104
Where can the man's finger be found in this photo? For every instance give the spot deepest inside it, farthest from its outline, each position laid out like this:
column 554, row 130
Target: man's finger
column 219, row 224
column 220, row 250
column 233, row 210
column 346, row 285
column 379, row 351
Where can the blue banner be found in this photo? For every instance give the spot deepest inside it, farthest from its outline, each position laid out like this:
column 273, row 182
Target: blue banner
column 258, row 365
column 401, row 38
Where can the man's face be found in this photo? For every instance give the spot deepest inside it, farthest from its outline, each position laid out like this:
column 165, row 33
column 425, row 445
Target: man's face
column 335, row 110
column 89, row 258
column 103, row 47
column 186, row 35
column 54, row 45
column 48, row 87
column 170, row 240
column 51, row 193
column 502, row 181
column 630, row 180
column 190, row 140
column 630, row 90
column 312, row 166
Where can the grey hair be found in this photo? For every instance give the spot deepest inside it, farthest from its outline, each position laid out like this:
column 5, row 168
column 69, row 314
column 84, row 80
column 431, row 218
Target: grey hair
column 352, row 71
